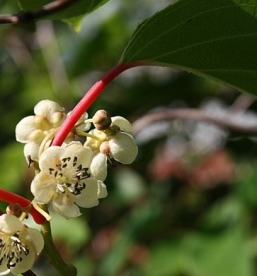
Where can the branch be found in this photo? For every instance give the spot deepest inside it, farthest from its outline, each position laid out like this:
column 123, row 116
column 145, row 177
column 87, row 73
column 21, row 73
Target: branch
column 192, row 114
column 92, row 94
column 29, row 16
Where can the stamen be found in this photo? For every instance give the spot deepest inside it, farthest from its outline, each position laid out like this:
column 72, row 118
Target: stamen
column 41, row 211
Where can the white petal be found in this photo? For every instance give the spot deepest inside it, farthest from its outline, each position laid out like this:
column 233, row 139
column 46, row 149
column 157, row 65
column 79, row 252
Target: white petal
column 50, row 157
column 26, row 263
column 34, row 238
column 3, row 267
column 24, row 128
column 122, row 123
column 123, row 148
column 89, row 196
column 31, row 149
column 83, row 127
column 65, row 206
column 10, row 224
column 43, row 187
column 82, row 154
column 102, row 191
column 47, row 108
column 98, row 167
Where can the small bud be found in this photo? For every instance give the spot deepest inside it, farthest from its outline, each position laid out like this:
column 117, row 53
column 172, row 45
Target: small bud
column 14, row 209
column 102, row 119
column 105, row 147
column 57, row 118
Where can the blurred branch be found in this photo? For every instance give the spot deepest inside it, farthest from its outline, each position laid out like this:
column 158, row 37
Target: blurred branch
column 193, row 114
column 29, row 16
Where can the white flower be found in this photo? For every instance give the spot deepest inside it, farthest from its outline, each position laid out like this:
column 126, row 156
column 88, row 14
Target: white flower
column 98, row 167
column 19, row 245
column 122, row 123
column 113, row 144
column 33, row 129
column 82, row 124
column 65, row 181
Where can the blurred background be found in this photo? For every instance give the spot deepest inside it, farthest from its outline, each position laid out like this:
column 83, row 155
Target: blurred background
column 188, row 205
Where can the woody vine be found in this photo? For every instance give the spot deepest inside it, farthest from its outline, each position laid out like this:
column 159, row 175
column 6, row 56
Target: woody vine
column 70, row 152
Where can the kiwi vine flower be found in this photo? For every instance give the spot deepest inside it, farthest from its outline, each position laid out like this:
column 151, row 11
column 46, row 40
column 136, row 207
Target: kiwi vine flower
column 114, row 144
column 65, row 180
column 19, row 245
column 33, row 129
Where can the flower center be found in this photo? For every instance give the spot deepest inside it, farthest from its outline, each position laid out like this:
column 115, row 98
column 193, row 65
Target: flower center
column 12, row 249
column 70, row 175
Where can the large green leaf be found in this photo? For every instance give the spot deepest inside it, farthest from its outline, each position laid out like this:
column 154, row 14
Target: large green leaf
column 217, row 39
column 79, row 7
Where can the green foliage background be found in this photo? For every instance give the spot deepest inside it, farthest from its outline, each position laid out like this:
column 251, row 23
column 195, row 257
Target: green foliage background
column 150, row 224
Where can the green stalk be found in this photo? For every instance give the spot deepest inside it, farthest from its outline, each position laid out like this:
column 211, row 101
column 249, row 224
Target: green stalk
column 52, row 253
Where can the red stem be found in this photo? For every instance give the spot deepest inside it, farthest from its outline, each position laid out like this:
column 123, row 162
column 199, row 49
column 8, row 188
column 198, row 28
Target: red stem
column 88, row 99
column 10, row 197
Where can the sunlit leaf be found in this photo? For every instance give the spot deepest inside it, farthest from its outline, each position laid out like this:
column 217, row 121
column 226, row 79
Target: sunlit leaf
column 217, row 39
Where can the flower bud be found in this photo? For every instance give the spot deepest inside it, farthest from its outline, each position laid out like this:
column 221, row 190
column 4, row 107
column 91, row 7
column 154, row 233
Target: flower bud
column 102, row 119
column 105, row 147
column 14, row 209
column 57, row 118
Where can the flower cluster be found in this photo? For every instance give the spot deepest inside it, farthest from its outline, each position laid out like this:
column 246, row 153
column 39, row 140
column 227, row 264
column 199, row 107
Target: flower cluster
column 71, row 176
column 19, row 245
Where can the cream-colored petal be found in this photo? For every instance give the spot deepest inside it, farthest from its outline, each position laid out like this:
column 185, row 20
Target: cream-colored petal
column 64, row 205
column 122, row 123
column 26, row 263
column 98, row 167
column 50, row 157
column 10, row 224
column 24, row 128
column 83, row 127
column 43, row 187
column 31, row 149
column 89, row 196
column 47, row 108
column 3, row 267
column 123, row 148
column 76, row 151
column 57, row 118
column 102, row 191
column 34, row 238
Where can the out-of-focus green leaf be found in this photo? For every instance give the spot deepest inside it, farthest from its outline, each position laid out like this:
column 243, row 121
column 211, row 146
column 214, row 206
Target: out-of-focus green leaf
column 62, row 229
column 137, row 220
column 78, row 8
column 219, row 254
column 12, row 166
column 224, row 213
column 217, row 39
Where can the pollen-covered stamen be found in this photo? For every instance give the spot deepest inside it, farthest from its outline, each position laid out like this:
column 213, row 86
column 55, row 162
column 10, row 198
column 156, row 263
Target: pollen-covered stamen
column 12, row 249
column 82, row 173
column 69, row 176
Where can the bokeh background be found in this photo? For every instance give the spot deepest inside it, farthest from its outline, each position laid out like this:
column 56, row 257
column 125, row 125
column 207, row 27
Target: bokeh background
column 188, row 205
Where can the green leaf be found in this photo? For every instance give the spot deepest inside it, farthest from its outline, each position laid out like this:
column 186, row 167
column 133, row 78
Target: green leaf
column 217, row 254
column 216, row 39
column 78, row 8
